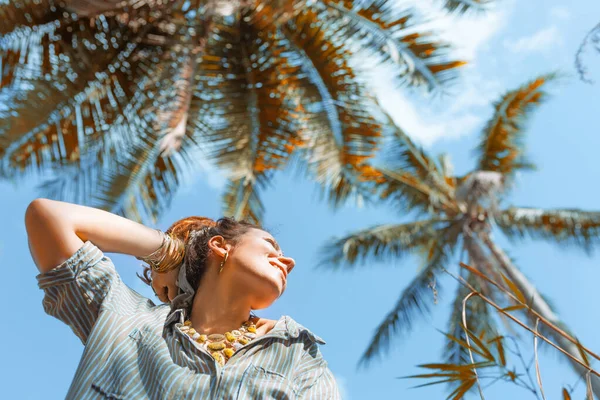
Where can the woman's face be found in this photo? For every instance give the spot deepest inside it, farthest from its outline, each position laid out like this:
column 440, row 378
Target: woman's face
column 256, row 262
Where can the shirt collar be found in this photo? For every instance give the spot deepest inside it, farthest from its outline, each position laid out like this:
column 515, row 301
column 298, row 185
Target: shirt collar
column 285, row 327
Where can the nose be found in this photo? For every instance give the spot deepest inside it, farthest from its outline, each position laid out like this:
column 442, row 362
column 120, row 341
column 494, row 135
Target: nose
column 289, row 263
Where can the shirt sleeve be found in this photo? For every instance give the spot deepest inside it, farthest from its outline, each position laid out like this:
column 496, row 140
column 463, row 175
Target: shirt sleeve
column 314, row 379
column 75, row 290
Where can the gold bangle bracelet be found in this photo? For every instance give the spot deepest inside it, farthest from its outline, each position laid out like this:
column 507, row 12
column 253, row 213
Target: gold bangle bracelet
column 168, row 256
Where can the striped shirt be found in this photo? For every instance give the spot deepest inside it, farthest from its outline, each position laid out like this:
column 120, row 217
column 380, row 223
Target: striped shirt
column 127, row 357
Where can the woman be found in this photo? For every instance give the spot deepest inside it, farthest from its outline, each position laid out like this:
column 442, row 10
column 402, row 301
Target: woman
column 205, row 344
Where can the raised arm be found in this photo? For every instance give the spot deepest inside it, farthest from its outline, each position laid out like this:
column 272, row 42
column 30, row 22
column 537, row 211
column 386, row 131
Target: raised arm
column 57, row 229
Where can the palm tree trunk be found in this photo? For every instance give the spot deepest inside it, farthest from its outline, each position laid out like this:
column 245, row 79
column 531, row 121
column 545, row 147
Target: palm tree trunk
column 540, row 306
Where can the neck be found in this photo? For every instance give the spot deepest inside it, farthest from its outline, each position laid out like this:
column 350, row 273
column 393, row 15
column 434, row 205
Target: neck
column 218, row 307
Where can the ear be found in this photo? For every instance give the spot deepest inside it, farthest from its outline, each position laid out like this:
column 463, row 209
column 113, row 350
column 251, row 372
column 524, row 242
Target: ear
column 218, row 246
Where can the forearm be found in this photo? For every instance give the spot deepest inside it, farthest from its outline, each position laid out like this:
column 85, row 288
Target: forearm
column 57, row 229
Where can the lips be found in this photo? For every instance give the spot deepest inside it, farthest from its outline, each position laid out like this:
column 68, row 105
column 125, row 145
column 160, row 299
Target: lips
column 279, row 267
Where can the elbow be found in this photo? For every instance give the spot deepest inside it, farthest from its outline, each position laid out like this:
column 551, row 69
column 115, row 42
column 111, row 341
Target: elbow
column 37, row 213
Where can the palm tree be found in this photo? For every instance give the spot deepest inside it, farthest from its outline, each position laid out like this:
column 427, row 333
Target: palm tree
column 459, row 213
column 116, row 98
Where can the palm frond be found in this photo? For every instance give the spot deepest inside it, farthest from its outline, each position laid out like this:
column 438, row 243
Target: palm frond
column 569, row 227
column 338, row 131
column 95, row 7
column 589, row 44
column 382, row 243
column 51, row 121
column 385, row 30
column 401, row 154
column 242, row 201
column 407, row 192
column 501, row 149
column 245, row 107
column 413, row 299
column 19, row 14
column 463, row 6
column 125, row 170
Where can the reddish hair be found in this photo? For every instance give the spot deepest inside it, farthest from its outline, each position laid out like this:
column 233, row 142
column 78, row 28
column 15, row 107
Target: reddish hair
column 197, row 253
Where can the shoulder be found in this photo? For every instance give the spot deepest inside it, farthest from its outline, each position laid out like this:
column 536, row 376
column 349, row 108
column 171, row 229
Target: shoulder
column 298, row 330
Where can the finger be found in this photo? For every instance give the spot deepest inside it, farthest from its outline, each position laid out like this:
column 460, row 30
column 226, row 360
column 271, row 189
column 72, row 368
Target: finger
column 162, row 295
column 172, row 289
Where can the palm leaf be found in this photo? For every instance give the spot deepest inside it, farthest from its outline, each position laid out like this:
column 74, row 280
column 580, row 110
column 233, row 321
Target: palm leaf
column 17, row 15
column 252, row 126
column 413, row 299
column 74, row 110
column 402, row 154
column 386, row 30
column 501, row 149
column 339, row 131
column 132, row 173
column 462, row 6
column 569, row 227
column 95, row 7
column 242, row 201
column 382, row 243
column 407, row 192
column 590, row 43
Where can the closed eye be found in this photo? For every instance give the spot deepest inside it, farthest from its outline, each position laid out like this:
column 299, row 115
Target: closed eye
column 273, row 243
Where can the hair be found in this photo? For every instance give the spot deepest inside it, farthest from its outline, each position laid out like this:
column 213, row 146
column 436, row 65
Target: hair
column 196, row 250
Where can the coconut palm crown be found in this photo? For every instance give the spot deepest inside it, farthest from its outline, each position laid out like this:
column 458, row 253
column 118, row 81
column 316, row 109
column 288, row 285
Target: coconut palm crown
column 115, row 98
column 458, row 213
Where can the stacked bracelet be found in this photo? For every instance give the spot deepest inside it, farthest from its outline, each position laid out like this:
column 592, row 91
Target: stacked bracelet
column 168, row 256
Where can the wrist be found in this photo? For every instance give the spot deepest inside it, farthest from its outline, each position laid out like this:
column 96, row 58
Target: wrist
column 168, row 256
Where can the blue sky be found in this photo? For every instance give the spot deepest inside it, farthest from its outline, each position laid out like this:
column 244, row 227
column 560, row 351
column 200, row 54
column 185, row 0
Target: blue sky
column 507, row 46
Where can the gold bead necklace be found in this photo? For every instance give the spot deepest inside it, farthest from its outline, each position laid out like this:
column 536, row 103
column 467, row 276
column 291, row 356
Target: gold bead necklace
column 222, row 346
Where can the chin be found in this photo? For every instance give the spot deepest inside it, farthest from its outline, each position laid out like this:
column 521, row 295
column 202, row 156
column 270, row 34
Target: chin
column 268, row 296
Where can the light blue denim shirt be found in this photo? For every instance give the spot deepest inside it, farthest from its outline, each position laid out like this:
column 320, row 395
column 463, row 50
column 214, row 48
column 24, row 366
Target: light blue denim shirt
column 127, row 357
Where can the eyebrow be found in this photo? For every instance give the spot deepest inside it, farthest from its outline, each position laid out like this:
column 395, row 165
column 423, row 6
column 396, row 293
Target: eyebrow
column 274, row 241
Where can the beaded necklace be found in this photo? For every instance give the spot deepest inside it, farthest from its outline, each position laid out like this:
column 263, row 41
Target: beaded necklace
column 222, row 346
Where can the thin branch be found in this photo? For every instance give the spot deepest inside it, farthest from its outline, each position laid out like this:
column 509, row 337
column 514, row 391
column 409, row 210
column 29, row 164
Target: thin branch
column 537, row 363
column 535, row 313
column 466, row 328
column 518, row 322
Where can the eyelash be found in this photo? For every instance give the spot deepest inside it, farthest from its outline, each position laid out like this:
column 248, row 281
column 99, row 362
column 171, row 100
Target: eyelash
column 272, row 243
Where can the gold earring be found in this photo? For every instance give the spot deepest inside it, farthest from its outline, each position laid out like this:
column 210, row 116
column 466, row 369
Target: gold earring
column 223, row 262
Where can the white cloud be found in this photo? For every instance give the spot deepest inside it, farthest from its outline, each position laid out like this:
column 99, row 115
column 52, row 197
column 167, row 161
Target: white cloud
column 560, row 12
column 543, row 40
column 426, row 125
column 467, row 33
column 466, row 109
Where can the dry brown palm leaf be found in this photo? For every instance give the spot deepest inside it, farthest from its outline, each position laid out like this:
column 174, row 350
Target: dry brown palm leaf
column 569, row 227
column 501, row 149
column 479, row 320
